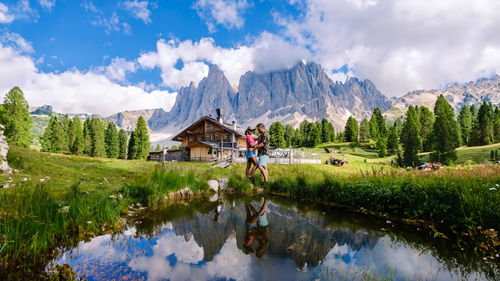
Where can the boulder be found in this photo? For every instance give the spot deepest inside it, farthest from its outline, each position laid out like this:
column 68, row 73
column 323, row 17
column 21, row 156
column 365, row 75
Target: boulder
column 223, row 183
column 4, row 149
column 214, row 185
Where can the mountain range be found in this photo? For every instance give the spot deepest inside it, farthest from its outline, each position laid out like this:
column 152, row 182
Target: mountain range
column 304, row 92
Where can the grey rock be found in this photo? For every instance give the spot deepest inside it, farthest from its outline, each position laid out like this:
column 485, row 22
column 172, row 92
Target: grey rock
column 223, row 183
column 213, row 185
column 4, row 149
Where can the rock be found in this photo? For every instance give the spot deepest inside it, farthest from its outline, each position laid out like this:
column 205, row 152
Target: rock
column 4, row 149
column 223, row 182
column 64, row 209
column 214, row 185
column 214, row 198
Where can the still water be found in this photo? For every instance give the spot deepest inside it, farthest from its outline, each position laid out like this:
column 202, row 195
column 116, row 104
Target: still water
column 256, row 238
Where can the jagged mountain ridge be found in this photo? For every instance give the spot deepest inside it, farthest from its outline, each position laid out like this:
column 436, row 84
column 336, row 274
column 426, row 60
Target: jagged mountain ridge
column 458, row 95
column 290, row 96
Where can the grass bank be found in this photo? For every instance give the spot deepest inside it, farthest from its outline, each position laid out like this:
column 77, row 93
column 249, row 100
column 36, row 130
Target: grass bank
column 56, row 200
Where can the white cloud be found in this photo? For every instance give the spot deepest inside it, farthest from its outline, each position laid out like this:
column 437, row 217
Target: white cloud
column 228, row 13
column 76, row 91
column 139, row 9
column 401, row 45
column 268, row 52
column 22, row 10
column 88, row 5
column 5, row 17
column 112, row 24
column 17, row 41
column 47, row 4
column 118, row 69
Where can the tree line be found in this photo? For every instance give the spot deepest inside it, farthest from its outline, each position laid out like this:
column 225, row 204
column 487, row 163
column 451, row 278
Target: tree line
column 93, row 137
column 307, row 134
column 420, row 130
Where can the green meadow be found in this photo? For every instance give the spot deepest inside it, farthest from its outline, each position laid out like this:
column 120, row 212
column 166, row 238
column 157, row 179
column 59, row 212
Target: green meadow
column 56, row 200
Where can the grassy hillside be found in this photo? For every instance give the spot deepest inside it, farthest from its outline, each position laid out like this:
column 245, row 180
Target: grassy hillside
column 470, row 154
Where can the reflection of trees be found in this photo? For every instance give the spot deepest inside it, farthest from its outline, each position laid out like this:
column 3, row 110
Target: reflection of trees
column 303, row 231
column 303, row 239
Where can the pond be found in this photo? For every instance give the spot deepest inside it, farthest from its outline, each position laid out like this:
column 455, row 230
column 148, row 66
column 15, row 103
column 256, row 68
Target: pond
column 240, row 238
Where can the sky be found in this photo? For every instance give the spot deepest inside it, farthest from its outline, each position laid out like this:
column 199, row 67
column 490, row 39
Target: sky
column 104, row 57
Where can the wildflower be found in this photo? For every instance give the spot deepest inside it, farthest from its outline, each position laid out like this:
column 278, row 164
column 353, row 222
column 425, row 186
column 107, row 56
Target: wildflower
column 492, row 189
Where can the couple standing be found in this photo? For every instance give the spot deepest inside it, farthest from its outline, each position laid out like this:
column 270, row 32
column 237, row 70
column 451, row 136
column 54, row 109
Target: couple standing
column 260, row 144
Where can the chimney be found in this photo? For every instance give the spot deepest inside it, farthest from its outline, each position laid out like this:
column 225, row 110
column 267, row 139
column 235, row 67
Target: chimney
column 234, row 125
column 219, row 115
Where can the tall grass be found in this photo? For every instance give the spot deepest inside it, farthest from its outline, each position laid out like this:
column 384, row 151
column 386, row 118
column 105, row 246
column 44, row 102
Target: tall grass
column 465, row 201
column 33, row 223
column 150, row 188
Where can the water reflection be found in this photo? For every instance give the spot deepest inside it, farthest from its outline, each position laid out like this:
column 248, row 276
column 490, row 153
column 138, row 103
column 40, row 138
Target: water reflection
column 256, row 239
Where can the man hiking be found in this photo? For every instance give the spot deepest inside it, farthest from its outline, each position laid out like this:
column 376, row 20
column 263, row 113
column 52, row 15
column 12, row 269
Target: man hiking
column 263, row 148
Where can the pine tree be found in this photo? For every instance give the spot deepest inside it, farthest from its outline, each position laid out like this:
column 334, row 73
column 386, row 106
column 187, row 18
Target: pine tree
column 351, row 130
column 410, row 138
column 131, row 153
column 16, row 119
column 327, row 132
column 76, row 136
column 54, row 139
column 66, row 123
column 122, row 144
column 496, row 124
column 289, row 135
column 483, row 129
column 297, row 138
column 87, row 141
column 97, row 143
column 111, row 141
column 303, row 133
column 377, row 124
column 426, row 119
column 465, row 122
column 314, row 135
column 158, row 148
column 277, row 135
column 445, row 136
column 364, row 131
column 473, row 111
column 141, row 138
column 392, row 139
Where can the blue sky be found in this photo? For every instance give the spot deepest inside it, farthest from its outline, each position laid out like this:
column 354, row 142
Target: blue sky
column 69, row 35
column 108, row 56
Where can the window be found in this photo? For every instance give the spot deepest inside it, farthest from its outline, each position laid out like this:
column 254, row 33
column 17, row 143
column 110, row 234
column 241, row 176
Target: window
column 209, row 150
column 190, row 139
column 226, row 137
column 200, row 138
column 209, row 126
column 212, row 137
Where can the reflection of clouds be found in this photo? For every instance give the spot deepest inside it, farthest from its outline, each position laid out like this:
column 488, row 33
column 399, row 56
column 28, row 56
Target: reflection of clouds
column 407, row 262
column 230, row 262
column 100, row 247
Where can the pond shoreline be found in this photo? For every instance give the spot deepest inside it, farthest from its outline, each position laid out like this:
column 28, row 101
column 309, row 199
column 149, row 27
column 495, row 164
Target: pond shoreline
column 37, row 217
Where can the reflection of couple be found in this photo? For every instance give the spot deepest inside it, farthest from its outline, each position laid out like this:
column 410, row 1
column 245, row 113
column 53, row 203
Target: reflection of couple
column 256, row 227
column 262, row 145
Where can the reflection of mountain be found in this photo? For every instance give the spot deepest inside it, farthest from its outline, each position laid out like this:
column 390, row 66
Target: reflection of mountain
column 303, row 238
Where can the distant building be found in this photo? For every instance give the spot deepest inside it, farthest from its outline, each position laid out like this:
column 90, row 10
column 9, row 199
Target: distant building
column 212, row 139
